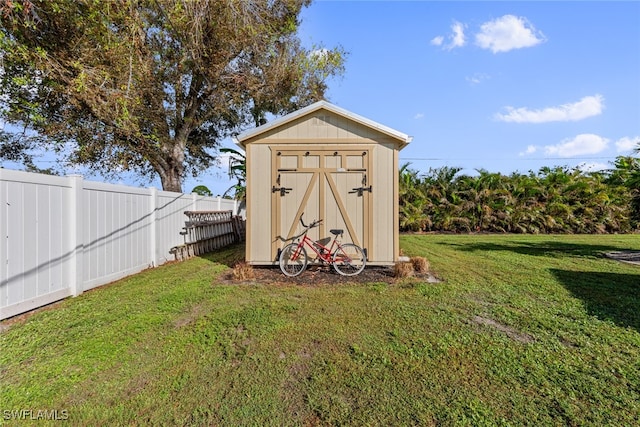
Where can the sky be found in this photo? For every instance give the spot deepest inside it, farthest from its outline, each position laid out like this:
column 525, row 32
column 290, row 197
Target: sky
column 505, row 86
column 502, row 86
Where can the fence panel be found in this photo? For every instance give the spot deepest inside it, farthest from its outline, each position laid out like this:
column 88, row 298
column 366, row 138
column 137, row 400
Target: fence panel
column 63, row 235
column 170, row 220
column 36, row 248
column 116, row 232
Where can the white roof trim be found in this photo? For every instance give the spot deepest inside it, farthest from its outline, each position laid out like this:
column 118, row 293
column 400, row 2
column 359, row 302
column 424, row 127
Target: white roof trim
column 317, row 106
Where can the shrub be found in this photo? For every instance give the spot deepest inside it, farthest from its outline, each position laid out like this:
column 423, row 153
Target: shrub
column 243, row 271
column 420, row 264
column 402, row 269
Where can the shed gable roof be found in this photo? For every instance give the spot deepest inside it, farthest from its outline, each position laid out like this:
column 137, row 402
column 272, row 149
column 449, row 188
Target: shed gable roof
column 252, row 134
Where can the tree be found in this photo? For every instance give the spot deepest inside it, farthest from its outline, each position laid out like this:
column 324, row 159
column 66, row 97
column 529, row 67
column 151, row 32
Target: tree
column 238, row 171
column 202, row 190
column 152, row 86
column 412, row 201
column 626, row 174
column 553, row 200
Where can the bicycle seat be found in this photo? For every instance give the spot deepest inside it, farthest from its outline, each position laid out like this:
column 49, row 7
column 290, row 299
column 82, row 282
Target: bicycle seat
column 336, row 232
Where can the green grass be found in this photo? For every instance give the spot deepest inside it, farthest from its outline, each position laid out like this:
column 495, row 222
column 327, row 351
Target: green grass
column 523, row 330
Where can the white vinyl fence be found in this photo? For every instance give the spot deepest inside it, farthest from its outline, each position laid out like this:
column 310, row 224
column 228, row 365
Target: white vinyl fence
column 64, row 235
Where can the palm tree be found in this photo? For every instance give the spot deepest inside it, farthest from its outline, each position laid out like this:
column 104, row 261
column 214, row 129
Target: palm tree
column 553, row 200
column 412, row 201
column 626, row 175
column 238, row 171
column 441, row 187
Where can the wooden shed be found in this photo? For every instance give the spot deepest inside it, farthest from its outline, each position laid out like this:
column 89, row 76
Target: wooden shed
column 326, row 163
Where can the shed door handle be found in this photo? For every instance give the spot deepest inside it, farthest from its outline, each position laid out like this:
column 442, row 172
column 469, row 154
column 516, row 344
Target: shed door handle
column 361, row 190
column 282, row 190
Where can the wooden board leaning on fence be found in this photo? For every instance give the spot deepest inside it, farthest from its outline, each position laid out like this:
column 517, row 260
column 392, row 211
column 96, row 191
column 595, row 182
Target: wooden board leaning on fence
column 207, row 231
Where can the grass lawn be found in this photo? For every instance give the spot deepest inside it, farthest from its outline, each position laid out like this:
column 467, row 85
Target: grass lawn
column 523, row 330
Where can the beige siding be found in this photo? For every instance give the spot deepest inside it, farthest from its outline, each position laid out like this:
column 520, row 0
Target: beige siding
column 322, row 157
column 321, row 125
column 258, row 203
column 384, row 204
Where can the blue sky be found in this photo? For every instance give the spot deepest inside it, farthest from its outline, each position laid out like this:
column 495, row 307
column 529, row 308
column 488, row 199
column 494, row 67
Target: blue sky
column 504, row 86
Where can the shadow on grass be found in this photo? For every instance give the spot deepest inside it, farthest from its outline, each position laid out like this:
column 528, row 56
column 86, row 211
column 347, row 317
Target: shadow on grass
column 543, row 248
column 608, row 296
column 229, row 255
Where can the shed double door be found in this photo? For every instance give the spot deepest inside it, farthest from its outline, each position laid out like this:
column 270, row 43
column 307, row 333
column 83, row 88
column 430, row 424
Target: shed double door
column 334, row 186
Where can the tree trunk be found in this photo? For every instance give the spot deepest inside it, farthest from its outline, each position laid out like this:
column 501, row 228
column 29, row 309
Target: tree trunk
column 170, row 165
column 171, row 181
column 171, row 176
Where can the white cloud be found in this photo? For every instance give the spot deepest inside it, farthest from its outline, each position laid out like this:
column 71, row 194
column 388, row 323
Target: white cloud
column 583, row 144
column 506, row 33
column 477, row 78
column 627, row 144
column 418, row 116
column 586, row 107
column 530, row 150
column 456, row 38
column 437, row 41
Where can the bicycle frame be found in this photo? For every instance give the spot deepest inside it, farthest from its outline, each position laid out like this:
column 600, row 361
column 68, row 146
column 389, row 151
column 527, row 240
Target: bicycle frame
column 347, row 259
column 324, row 253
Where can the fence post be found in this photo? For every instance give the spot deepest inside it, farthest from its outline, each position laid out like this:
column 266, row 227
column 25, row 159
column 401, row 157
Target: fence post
column 76, row 244
column 153, row 207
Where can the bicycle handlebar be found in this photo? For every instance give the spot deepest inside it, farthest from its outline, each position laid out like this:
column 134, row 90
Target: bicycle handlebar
column 313, row 224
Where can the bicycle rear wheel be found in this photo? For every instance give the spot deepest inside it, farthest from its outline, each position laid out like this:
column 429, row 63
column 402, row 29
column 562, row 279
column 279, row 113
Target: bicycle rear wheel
column 349, row 259
column 293, row 260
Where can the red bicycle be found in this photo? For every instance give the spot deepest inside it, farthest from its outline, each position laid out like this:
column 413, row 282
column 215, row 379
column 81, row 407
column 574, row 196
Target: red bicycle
column 347, row 259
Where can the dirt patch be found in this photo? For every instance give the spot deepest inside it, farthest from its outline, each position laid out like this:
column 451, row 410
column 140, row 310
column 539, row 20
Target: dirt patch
column 292, row 390
column 630, row 257
column 322, row 275
column 507, row 330
column 195, row 313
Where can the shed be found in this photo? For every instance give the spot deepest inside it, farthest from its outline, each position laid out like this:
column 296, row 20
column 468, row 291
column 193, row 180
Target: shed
column 326, row 163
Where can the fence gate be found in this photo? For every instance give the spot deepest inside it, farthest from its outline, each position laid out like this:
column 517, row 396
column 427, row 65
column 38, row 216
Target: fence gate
column 334, row 186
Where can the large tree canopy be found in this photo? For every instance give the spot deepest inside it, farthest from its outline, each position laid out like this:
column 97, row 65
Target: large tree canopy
column 150, row 86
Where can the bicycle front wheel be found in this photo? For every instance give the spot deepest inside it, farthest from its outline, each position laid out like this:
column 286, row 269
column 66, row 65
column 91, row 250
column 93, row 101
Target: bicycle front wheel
column 349, row 260
column 293, row 260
